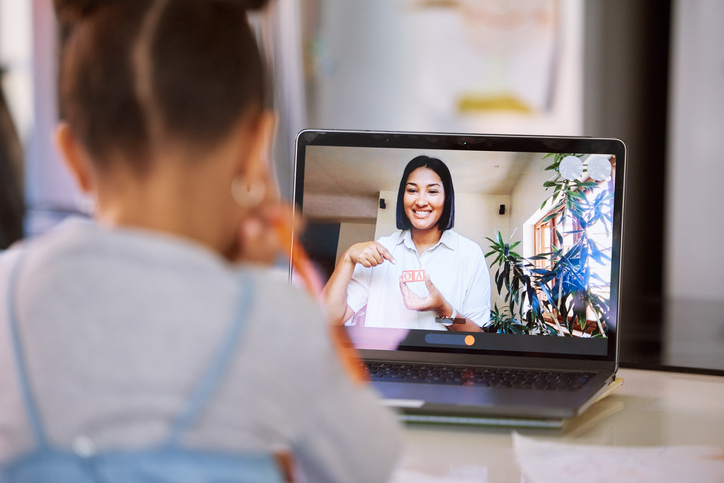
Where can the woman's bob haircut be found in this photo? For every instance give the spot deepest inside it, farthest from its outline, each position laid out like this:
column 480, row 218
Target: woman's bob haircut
column 447, row 218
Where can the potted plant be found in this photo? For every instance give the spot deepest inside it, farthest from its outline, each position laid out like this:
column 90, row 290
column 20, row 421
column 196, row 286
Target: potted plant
column 559, row 298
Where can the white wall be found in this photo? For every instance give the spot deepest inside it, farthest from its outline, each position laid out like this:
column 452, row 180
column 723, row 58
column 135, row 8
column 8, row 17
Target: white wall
column 15, row 57
column 361, row 67
column 695, row 197
column 694, row 284
column 476, row 217
column 351, row 233
column 50, row 192
column 526, row 199
column 529, row 193
column 367, row 70
column 387, row 217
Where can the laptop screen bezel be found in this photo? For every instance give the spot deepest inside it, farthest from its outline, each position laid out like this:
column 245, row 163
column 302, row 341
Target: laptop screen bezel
column 484, row 142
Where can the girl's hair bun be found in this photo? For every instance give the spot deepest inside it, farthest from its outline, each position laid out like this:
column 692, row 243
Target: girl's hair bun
column 71, row 11
column 189, row 69
column 252, row 4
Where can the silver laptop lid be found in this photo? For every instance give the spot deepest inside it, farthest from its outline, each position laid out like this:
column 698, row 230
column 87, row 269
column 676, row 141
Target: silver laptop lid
column 529, row 247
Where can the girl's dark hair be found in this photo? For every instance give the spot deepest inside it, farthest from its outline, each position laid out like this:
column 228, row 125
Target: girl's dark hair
column 134, row 72
column 447, row 218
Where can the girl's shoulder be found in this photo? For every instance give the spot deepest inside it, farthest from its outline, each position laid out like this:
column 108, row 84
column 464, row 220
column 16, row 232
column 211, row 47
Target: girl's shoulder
column 274, row 284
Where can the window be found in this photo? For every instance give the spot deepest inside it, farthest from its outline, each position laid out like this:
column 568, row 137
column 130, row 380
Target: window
column 552, row 224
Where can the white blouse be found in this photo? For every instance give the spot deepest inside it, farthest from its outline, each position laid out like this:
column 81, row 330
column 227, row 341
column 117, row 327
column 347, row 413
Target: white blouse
column 456, row 266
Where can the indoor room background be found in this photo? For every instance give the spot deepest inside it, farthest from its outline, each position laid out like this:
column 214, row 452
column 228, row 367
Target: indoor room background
column 650, row 72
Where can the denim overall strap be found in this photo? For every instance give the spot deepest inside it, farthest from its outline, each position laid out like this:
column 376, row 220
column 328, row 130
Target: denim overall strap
column 30, row 404
column 214, row 373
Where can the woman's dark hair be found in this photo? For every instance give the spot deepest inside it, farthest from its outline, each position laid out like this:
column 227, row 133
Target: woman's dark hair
column 447, row 218
column 135, row 72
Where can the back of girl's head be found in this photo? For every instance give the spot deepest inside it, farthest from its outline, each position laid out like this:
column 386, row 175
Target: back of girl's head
column 136, row 73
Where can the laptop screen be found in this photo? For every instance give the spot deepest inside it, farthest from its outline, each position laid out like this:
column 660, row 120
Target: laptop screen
column 467, row 243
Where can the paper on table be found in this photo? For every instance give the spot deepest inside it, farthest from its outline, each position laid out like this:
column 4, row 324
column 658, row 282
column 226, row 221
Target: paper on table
column 414, row 476
column 543, row 462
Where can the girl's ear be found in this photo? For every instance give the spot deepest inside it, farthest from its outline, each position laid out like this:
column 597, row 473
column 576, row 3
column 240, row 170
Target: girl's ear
column 256, row 165
column 262, row 141
column 76, row 158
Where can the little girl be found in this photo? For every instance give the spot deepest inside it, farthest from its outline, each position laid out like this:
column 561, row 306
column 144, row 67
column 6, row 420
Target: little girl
column 147, row 329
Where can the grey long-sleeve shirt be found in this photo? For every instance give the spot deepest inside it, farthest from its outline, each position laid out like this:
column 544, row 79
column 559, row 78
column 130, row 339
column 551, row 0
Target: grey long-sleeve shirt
column 118, row 325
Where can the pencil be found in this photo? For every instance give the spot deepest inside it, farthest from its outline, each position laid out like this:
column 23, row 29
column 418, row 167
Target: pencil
column 300, row 262
column 303, row 266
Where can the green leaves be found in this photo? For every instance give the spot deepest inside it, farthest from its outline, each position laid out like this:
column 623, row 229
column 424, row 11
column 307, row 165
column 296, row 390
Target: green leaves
column 520, row 296
column 502, row 322
column 560, row 298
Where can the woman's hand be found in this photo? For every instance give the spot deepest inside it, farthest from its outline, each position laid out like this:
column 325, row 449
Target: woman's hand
column 368, row 254
column 434, row 300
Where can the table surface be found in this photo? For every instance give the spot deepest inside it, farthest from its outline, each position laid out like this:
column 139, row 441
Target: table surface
column 651, row 409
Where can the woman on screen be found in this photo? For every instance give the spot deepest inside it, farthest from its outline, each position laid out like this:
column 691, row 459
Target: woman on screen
column 423, row 276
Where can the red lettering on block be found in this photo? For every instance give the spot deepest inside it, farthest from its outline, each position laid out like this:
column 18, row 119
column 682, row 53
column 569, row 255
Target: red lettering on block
column 413, row 275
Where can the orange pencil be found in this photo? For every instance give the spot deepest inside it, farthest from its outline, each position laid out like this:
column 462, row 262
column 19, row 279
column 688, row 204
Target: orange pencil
column 299, row 260
column 301, row 263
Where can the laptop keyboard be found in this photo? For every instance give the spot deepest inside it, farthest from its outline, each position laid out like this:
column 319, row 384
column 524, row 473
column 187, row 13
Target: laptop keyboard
column 477, row 376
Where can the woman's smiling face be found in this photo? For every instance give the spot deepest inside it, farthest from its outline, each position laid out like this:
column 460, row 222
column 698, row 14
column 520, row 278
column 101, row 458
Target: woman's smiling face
column 424, row 198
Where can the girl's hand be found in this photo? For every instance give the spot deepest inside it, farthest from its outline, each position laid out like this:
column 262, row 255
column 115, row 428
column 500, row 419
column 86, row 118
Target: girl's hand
column 261, row 233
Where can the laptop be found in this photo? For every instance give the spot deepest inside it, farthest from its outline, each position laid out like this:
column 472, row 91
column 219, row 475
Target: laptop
column 529, row 259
